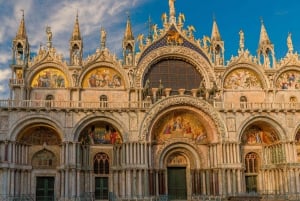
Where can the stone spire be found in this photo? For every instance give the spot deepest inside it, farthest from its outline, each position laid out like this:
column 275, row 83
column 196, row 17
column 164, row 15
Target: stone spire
column 21, row 34
column 128, row 44
column 21, row 44
column 215, row 34
column 128, row 35
column 76, row 45
column 76, row 31
column 265, row 52
column 217, row 45
column 264, row 38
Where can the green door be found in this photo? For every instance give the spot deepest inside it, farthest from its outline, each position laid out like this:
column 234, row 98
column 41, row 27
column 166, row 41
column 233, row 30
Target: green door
column 101, row 188
column 177, row 183
column 44, row 188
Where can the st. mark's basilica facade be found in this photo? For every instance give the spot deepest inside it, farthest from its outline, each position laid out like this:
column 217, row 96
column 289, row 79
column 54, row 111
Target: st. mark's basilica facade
column 170, row 120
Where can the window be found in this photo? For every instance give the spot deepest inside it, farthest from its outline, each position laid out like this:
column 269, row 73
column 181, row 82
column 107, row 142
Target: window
column 49, row 100
column 101, row 164
column 173, row 73
column 101, row 169
column 103, row 101
column 243, row 101
column 251, row 172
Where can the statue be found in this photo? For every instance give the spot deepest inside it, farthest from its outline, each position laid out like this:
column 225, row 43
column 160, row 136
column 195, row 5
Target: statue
column 49, row 34
column 242, row 40
column 172, row 8
column 290, row 43
column 164, row 18
column 103, row 38
column 49, row 37
column 146, row 90
column 160, row 89
column 181, row 18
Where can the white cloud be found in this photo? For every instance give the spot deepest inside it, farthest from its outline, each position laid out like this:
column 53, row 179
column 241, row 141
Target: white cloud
column 4, row 74
column 5, row 57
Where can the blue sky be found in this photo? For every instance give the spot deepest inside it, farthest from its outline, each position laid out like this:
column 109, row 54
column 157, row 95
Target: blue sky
column 280, row 17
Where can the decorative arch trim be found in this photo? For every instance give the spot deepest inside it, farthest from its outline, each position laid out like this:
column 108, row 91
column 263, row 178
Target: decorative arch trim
column 38, row 120
column 258, row 118
column 180, row 101
column 173, row 147
column 193, row 57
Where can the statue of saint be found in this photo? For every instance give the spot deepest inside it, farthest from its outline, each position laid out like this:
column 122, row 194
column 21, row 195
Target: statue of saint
column 172, row 8
column 242, row 40
column 49, row 34
column 103, row 38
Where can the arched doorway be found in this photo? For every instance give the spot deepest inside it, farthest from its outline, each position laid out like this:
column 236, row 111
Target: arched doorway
column 177, row 176
column 44, row 143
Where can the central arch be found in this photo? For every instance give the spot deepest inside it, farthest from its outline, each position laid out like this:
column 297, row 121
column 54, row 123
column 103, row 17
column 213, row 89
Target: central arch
column 201, row 107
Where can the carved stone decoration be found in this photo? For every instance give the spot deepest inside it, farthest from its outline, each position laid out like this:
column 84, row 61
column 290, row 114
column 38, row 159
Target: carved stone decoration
column 201, row 64
column 181, row 101
column 4, row 124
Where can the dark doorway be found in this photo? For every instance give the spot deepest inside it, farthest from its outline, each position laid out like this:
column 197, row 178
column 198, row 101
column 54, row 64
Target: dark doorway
column 101, row 188
column 177, row 183
column 44, row 188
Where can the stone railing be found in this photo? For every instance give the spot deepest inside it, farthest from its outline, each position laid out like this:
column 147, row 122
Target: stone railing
column 273, row 106
column 108, row 105
column 16, row 82
column 51, row 104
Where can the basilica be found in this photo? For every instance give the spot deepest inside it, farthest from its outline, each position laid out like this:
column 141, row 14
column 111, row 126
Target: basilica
column 168, row 120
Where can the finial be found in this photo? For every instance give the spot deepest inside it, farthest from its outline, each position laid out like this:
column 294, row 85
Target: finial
column 149, row 26
column 261, row 20
column 22, row 10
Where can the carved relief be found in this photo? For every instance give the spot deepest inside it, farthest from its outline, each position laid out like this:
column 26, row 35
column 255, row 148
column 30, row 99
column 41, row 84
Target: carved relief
column 4, row 122
column 177, row 159
column 242, row 79
column 230, row 124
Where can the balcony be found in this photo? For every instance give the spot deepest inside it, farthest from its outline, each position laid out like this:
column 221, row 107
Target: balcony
column 140, row 105
column 16, row 82
column 72, row 105
column 263, row 106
